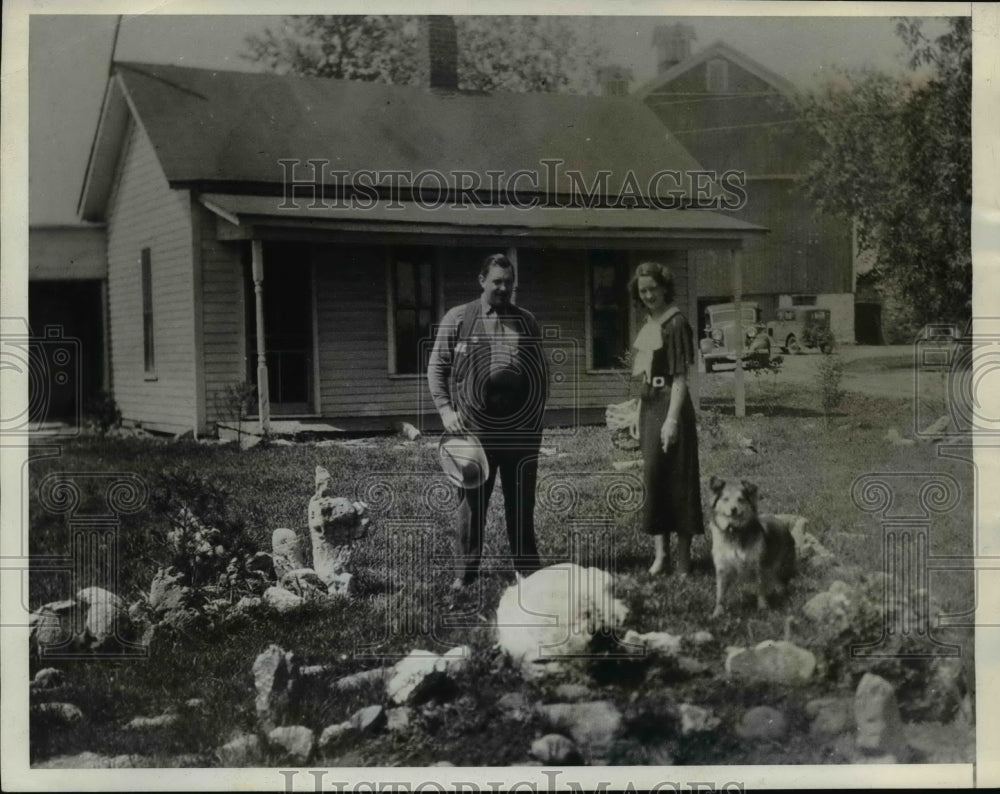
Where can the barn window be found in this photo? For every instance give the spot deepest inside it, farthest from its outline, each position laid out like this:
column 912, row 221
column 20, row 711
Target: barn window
column 608, row 310
column 414, row 305
column 717, row 76
column 146, row 277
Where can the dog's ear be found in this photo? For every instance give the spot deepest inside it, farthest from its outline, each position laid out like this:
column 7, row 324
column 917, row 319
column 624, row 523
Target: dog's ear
column 716, row 485
column 750, row 490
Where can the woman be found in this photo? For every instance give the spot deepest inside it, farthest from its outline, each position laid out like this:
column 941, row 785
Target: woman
column 663, row 350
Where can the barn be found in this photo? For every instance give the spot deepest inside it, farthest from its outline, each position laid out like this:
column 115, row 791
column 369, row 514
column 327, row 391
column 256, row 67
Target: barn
column 306, row 234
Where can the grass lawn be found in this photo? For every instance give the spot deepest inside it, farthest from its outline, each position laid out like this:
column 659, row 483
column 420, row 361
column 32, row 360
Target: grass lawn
column 803, row 464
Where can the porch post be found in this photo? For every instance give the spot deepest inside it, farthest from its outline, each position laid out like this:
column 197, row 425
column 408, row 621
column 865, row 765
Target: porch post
column 263, row 401
column 740, row 391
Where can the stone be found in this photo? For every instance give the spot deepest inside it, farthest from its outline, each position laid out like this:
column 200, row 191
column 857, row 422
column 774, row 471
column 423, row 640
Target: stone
column 60, row 715
column 369, row 720
column 572, row 692
column 195, row 704
column 762, row 722
column 276, row 679
column 594, row 726
column 398, row 719
column 409, row 431
column 655, row 642
column 283, row 601
column 552, row 614
column 106, row 617
column 876, row 715
column 408, row 681
column 830, row 716
column 333, row 733
column 691, row 666
column 149, row 723
column 247, row 604
column 554, row 748
column 242, row 750
column 831, row 608
column 167, row 592
column 772, row 661
column 311, row 670
column 514, row 703
column 358, row 680
column 697, row 719
column 52, row 624
column 48, row 678
column 304, row 583
column 296, row 740
column 286, row 551
column 701, row 638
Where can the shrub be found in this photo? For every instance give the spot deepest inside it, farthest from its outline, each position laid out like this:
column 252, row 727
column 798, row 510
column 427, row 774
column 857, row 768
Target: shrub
column 829, row 374
column 102, row 413
column 234, row 403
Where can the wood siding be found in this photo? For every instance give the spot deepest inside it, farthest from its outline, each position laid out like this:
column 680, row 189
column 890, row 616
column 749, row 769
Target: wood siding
column 145, row 213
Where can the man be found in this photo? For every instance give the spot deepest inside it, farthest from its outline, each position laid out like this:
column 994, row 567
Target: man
column 488, row 378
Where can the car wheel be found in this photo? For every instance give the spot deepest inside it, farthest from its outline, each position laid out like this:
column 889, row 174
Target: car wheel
column 792, row 345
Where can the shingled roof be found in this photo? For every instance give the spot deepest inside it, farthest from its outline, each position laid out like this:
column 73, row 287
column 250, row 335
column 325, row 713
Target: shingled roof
column 217, row 127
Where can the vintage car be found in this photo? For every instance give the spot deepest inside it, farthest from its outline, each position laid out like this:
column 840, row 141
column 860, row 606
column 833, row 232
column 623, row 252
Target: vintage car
column 797, row 327
column 720, row 345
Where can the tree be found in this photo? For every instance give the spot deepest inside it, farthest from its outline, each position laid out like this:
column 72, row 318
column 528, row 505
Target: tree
column 898, row 159
column 497, row 53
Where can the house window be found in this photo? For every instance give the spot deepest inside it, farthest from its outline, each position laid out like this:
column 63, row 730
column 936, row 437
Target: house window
column 413, row 307
column 146, row 277
column 607, row 284
column 717, row 76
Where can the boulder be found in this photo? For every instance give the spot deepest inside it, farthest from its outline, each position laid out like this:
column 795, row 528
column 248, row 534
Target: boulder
column 276, row 679
column 552, row 614
column 286, row 551
column 514, row 704
column 762, row 722
column 283, row 601
column 772, row 661
column 242, row 750
column 247, row 604
column 876, row 714
column 696, row 719
column 106, row 618
column 554, row 748
column 570, row 692
column 48, row 678
column 398, row 719
column 57, row 715
column 304, row 583
column 53, row 623
column 409, row 682
column 332, row 734
column 369, row 720
column 831, row 608
column 295, row 740
column 167, row 592
column 594, row 726
column 167, row 720
column 659, row 642
column 830, row 716
column 701, row 638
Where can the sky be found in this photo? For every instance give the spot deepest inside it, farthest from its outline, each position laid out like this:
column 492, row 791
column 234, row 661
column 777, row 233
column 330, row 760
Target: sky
column 69, row 57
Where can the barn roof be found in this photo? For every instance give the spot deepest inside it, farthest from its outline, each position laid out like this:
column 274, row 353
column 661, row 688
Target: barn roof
column 231, row 128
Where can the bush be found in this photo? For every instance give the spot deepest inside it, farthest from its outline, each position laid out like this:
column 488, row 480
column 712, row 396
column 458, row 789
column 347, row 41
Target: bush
column 102, row 413
column 829, row 374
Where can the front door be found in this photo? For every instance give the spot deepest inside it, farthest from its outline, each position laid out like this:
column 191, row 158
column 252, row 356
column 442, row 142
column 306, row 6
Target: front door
column 288, row 327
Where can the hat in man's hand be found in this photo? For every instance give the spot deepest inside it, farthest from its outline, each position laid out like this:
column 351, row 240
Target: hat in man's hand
column 464, row 460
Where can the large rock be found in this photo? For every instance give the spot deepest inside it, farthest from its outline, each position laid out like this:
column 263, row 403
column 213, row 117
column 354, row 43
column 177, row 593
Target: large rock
column 369, row 720
column 332, row 734
column 295, row 740
column 552, row 614
column 48, row 678
column 335, row 523
column 167, row 592
column 425, row 675
column 168, row 720
column 243, row 750
column 398, row 719
column 554, row 748
column 54, row 623
column 659, row 642
column 107, row 617
column 808, row 549
column 286, row 551
column 876, row 714
column 303, row 582
column 696, row 719
column 276, row 679
column 831, row 609
column 831, row 716
column 762, row 722
column 772, row 661
column 282, row 600
column 57, row 715
column 594, row 725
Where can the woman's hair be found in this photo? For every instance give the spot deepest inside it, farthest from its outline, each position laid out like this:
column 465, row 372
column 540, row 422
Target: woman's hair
column 660, row 273
column 500, row 260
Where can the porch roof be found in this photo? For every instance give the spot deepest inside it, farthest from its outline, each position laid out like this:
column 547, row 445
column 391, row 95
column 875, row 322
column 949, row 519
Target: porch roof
column 247, row 216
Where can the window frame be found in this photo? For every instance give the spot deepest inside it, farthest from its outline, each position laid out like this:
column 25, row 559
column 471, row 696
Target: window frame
column 392, row 260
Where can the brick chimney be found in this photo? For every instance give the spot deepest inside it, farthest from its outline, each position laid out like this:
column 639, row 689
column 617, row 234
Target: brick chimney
column 673, row 45
column 439, row 44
